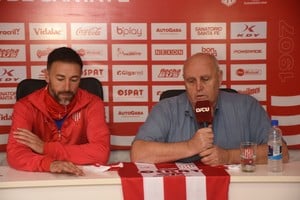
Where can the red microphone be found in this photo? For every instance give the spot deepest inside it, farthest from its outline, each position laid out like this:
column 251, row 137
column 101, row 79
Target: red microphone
column 203, row 113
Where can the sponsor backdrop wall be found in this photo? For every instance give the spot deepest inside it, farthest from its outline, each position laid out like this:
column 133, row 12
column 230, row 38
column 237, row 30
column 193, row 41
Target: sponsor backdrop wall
column 136, row 48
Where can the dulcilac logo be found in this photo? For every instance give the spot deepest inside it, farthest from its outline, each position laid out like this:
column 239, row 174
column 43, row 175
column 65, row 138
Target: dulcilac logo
column 228, row 2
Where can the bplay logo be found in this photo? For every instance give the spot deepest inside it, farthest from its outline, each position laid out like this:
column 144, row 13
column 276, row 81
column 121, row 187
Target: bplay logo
column 133, row 31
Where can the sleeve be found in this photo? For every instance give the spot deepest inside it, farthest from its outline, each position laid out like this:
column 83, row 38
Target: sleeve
column 95, row 130
column 20, row 156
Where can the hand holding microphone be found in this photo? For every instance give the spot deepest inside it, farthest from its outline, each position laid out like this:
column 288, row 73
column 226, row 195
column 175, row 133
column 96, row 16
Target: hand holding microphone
column 203, row 138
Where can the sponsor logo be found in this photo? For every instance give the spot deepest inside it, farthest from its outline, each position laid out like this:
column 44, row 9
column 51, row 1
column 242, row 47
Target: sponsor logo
column 12, row 31
column 218, row 50
column 167, row 73
column 92, row 52
column 248, row 72
column 257, row 91
column 98, row 71
column 168, row 52
column 88, row 31
column 48, row 31
column 12, row 74
column 123, row 52
column 248, row 51
column 9, row 53
column 88, row 52
column 130, row 93
column 130, row 113
column 228, row 2
column 7, row 95
column 242, row 72
column 136, row 31
column 130, row 72
column 38, row 72
column 173, row 52
column 12, row 53
column 123, row 31
column 93, row 72
column 43, row 52
column 5, row 117
column 249, row 30
column 129, row 52
column 204, row 31
column 39, row 52
column 168, row 31
column 250, row 91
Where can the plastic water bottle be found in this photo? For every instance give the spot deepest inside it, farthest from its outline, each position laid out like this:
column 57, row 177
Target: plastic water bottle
column 275, row 148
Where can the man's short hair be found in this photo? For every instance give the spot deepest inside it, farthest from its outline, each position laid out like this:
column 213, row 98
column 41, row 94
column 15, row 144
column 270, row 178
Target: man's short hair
column 64, row 54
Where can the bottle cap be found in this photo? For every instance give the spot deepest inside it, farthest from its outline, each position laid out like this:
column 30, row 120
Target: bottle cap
column 274, row 122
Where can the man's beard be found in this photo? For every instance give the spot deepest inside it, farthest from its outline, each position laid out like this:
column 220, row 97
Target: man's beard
column 66, row 100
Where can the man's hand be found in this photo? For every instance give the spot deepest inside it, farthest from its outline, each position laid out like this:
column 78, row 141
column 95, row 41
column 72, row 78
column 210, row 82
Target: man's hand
column 202, row 140
column 214, row 156
column 29, row 139
column 65, row 167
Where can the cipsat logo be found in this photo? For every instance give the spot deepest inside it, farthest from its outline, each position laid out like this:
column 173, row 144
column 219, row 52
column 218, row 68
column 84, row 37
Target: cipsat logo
column 202, row 109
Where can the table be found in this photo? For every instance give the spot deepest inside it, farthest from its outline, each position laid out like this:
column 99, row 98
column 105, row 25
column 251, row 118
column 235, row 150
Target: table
column 15, row 185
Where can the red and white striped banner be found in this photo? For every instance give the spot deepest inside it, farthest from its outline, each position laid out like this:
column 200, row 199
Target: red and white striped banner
column 168, row 181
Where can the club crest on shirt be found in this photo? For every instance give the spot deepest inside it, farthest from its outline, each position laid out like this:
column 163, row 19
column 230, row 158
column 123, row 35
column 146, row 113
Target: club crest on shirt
column 76, row 116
